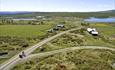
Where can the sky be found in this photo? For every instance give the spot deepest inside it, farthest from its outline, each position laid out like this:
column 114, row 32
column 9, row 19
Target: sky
column 57, row 5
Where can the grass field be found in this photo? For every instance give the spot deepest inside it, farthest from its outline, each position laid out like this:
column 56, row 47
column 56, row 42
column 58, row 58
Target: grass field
column 14, row 37
column 18, row 37
column 72, row 60
column 105, row 29
column 24, row 30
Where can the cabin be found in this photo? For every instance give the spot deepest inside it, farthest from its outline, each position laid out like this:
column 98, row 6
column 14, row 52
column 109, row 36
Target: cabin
column 39, row 16
column 60, row 26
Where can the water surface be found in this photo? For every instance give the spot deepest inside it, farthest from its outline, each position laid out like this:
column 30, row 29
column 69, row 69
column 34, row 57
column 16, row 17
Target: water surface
column 24, row 19
column 93, row 19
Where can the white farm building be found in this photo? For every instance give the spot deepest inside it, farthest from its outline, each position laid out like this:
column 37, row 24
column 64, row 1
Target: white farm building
column 92, row 31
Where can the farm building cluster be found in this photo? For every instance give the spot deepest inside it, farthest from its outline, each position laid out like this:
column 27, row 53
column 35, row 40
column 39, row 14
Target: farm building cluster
column 58, row 27
column 93, row 31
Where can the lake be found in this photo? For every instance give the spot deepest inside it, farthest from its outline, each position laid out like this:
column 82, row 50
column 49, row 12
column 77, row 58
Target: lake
column 17, row 19
column 93, row 19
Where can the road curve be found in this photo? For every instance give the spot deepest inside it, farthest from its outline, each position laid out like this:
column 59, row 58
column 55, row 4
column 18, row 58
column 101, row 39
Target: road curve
column 68, row 49
column 45, row 54
column 29, row 50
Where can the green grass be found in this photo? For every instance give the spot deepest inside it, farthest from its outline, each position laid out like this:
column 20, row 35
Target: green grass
column 105, row 29
column 3, row 59
column 14, row 36
column 69, row 40
column 24, row 30
column 72, row 60
column 92, row 41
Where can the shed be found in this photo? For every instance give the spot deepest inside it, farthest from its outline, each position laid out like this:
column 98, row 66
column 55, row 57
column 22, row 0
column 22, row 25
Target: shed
column 60, row 25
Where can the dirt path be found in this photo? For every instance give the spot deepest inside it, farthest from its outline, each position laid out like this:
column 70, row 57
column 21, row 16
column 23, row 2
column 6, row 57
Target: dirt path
column 68, row 49
column 13, row 60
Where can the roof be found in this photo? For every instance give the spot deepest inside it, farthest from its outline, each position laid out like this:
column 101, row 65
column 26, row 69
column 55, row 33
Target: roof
column 89, row 29
column 94, row 32
column 60, row 25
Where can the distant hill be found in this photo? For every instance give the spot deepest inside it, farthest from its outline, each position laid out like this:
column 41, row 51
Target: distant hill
column 109, row 11
column 28, row 12
column 25, row 14
column 16, row 12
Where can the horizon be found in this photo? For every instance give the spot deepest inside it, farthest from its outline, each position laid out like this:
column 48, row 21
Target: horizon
column 60, row 11
column 56, row 5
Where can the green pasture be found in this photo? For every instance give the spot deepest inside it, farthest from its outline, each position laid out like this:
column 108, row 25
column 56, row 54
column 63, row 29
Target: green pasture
column 24, row 30
column 105, row 29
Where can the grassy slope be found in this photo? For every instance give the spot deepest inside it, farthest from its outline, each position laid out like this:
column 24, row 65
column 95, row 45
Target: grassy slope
column 72, row 60
column 73, row 40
